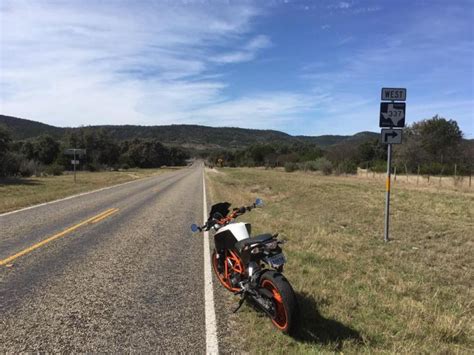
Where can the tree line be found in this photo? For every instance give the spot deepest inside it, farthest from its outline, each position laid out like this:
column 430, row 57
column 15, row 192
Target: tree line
column 432, row 146
column 45, row 154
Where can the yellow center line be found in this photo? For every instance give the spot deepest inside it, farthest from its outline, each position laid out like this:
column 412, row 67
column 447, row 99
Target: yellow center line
column 94, row 219
column 98, row 219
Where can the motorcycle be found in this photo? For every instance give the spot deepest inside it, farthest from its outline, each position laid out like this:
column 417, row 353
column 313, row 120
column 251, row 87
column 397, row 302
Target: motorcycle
column 250, row 267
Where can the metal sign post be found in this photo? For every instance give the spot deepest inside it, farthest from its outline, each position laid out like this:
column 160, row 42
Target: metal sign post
column 387, row 192
column 74, row 152
column 74, row 164
column 392, row 116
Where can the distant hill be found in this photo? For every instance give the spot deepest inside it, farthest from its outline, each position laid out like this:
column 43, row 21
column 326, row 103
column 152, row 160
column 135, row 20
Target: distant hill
column 328, row 140
column 24, row 129
column 186, row 136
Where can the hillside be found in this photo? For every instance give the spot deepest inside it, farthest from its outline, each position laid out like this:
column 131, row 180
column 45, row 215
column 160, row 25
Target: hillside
column 23, row 129
column 187, row 136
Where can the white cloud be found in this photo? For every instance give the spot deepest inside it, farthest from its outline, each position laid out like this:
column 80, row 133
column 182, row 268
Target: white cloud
column 343, row 5
column 431, row 57
column 247, row 53
column 78, row 63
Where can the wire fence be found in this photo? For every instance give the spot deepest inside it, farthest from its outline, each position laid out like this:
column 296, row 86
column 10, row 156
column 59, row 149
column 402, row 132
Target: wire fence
column 441, row 181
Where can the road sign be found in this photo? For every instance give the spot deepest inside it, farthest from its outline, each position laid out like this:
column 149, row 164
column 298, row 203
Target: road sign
column 392, row 114
column 75, row 152
column 75, row 162
column 394, row 94
column 391, row 136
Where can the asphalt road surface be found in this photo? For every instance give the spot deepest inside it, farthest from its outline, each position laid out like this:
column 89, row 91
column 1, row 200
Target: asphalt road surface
column 114, row 270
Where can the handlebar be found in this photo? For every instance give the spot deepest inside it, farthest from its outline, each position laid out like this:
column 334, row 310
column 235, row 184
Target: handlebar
column 236, row 212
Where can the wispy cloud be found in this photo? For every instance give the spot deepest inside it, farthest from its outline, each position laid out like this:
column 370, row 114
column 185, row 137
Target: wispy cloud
column 430, row 56
column 248, row 51
column 73, row 63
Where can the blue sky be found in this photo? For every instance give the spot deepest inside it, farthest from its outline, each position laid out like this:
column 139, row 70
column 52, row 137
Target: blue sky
column 303, row 67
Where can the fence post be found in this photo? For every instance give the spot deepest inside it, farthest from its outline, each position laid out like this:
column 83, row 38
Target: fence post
column 395, row 173
column 406, row 171
column 470, row 175
column 418, row 175
column 455, row 175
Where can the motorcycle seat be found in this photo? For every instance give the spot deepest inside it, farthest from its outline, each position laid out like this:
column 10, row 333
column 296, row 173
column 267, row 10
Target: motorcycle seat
column 262, row 238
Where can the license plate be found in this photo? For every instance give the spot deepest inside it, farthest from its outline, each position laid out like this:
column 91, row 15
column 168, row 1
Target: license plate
column 277, row 260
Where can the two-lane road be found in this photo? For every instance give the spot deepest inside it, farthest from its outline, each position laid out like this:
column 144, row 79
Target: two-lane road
column 114, row 270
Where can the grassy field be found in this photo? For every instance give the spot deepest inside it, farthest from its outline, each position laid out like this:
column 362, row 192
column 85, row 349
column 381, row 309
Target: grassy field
column 17, row 193
column 356, row 293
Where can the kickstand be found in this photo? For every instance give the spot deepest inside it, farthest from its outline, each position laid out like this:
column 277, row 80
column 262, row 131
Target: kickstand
column 241, row 302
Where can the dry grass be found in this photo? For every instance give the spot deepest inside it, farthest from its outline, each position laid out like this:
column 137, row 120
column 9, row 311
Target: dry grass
column 17, row 193
column 459, row 183
column 357, row 294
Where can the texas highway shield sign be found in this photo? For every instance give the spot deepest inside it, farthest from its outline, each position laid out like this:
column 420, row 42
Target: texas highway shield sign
column 392, row 114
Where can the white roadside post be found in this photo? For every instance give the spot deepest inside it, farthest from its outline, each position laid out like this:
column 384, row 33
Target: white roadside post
column 392, row 115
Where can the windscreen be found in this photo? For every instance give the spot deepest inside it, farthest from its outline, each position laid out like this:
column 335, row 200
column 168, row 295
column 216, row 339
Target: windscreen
column 222, row 208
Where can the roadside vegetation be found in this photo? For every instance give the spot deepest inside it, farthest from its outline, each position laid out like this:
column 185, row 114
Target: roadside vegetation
column 432, row 147
column 17, row 193
column 356, row 293
column 45, row 155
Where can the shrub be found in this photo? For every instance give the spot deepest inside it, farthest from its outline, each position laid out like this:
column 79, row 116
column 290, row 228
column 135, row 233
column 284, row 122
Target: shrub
column 379, row 166
column 29, row 168
column 311, row 165
column 323, row 165
column 10, row 164
column 346, row 167
column 54, row 169
column 290, row 167
column 433, row 168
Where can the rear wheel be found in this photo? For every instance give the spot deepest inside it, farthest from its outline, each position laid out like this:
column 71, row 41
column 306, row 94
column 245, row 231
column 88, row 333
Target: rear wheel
column 283, row 298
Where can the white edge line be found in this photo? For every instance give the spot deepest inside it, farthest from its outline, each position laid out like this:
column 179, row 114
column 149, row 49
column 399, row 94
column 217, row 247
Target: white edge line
column 212, row 345
column 74, row 196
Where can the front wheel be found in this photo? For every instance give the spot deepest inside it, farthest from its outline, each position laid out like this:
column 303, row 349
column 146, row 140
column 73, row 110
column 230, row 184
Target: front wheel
column 284, row 300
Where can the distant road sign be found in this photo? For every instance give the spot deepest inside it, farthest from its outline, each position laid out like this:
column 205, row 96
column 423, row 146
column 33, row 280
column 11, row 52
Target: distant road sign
column 391, row 136
column 394, row 94
column 75, row 151
column 75, row 162
column 392, row 114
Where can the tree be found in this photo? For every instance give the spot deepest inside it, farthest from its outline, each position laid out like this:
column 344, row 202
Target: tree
column 439, row 137
column 47, row 149
column 433, row 144
column 370, row 152
column 5, row 139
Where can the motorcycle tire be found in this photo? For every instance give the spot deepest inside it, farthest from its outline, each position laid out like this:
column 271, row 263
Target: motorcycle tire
column 284, row 299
